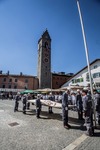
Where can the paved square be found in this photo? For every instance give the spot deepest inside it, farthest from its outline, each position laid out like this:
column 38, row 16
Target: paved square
column 46, row 133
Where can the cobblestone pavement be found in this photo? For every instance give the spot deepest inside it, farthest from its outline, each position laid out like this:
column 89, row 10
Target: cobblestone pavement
column 46, row 133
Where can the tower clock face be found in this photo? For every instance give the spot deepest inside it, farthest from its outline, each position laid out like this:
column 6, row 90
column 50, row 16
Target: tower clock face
column 46, row 60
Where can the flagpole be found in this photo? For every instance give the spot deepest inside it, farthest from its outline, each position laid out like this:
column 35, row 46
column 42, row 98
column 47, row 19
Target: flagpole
column 87, row 57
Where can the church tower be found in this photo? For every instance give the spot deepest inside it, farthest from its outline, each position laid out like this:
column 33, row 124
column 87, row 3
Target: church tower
column 44, row 61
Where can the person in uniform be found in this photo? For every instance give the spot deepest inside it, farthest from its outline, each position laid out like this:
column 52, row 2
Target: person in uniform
column 17, row 98
column 24, row 101
column 65, row 110
column 28, row 98
column 52, row 99
column 38, row 106
column 69, row 97
column 60, row 97
column 88, row 112
column 79, row 105
column 97, row 105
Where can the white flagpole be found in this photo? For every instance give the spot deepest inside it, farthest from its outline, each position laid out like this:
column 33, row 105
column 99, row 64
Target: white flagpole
column 87, row 57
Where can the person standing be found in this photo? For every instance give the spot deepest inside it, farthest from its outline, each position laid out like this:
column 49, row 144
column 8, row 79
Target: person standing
column 97, row 105
column 28, row 98
column 38, row 106
column 88, row 112
column 17, row 98
column 60, row 97
column 69, row 97
column 79, row 105
column 65, row 110
column 52, row 99
column 24, row 101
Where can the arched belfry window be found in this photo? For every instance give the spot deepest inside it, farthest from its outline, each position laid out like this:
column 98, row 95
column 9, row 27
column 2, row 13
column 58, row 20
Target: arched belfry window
column 46, row 44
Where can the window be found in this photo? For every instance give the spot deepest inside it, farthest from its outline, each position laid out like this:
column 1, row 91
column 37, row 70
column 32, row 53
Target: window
column 4, row 79
column 15, row 80
column 26, row 80
column 15, row 86
column 3, row 86
column 81, row 80
column 73, row 81
column 87, row 77
column 96, row 75
column 9, row 86
column 56, row 83
column 95, row 66
column 10, row 80
column 25, row 87
column 97, row 84
column 78, row 80
column 46, row 44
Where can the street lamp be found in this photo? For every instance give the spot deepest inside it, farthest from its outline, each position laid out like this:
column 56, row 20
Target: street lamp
column 87, row 56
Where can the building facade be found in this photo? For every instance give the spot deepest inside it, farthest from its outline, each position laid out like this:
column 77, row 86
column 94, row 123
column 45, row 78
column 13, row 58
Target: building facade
column 20, row 82
column 44, row 61
column 81, row 78
column 58, row 79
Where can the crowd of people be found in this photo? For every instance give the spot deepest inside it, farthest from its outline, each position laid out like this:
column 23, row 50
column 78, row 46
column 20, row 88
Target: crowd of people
column 85, row 108
column 81, row 100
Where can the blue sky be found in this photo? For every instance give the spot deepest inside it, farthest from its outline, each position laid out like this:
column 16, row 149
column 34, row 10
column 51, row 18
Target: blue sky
column 22, row 23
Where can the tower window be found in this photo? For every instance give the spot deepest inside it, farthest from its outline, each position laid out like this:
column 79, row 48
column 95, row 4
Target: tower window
column 46, row 44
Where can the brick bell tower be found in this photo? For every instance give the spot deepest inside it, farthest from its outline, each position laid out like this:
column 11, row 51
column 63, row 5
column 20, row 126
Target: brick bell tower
column 44, row 60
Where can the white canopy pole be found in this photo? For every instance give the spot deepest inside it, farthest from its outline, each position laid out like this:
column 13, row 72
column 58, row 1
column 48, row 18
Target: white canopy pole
column 87, row 57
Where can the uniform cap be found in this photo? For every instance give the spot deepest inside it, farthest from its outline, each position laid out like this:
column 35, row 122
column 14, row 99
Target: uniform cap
column 71, row 92
column 38, row 95
column 78, row 90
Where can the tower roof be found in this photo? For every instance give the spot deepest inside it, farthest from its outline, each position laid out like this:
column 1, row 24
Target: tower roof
column 45, row 35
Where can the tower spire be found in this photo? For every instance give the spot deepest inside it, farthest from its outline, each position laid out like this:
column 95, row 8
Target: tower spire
column 44, row 60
